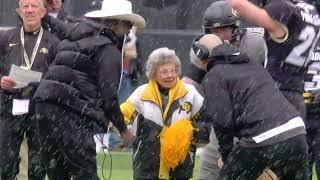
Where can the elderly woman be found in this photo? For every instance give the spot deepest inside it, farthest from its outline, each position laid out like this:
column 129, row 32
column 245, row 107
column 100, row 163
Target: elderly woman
column 166, row 112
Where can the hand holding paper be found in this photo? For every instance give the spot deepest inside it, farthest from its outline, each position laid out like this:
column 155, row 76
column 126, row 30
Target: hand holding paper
column 23, row 77
column 7, row 83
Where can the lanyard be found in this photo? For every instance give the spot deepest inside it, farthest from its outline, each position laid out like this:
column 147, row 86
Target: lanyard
column 28, row 61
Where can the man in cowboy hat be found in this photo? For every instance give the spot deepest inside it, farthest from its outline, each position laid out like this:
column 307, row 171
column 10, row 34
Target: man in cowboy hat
column 80, row 88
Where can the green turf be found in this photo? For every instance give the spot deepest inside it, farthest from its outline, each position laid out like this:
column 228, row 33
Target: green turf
column 121, row 166
column 314, row 176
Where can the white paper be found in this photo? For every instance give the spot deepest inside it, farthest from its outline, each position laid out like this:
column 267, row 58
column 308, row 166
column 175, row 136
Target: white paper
column 23, row 77
column 20, row 106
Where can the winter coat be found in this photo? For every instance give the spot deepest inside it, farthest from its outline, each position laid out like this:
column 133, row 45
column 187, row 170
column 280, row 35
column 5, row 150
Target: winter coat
column 11, row 52
column 144, row 108
column 85, row 74
column 244, row 102
column 53, row 25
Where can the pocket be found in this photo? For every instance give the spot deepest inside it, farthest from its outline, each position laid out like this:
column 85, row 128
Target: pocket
column 146, row 159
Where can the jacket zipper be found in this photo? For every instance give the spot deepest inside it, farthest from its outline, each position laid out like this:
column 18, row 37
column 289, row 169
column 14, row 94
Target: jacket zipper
column 138, row 148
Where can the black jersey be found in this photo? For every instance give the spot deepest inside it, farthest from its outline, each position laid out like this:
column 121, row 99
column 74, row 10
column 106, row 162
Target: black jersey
column 312, row 78
column 287, row 61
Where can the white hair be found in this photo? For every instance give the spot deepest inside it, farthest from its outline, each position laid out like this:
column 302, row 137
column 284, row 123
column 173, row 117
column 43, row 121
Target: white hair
column 41, row 3
column 159, row 57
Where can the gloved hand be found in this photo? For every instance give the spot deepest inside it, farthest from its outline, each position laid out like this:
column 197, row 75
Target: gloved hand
column 202, row 133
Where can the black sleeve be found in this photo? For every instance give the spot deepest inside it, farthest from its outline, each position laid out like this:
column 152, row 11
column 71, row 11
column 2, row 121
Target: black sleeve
column 219, row 109
column 195, row 73
column 225, row 142
column 3, row 42
column 56, row 26
column 54, row 49
column 3, row 52
column 109, row 72
column 281, row 11
column 203, row 124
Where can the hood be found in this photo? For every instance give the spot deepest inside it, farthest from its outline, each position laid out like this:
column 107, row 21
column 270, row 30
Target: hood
column 86, row 28
column 226, row 54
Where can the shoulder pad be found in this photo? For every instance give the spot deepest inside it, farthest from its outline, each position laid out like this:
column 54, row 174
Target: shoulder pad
column 255, row 30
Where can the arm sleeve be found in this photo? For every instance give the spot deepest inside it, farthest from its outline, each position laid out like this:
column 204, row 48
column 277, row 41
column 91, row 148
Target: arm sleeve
column 3, row 52
column 3, row 43
column 53, row 49
column 130, row 108
column 253, row 44
column 225, row 142
column 279, row 11
column 56, row 26
column 219, row 109
column 202, row 123
column 286, row 15
column 109, row 73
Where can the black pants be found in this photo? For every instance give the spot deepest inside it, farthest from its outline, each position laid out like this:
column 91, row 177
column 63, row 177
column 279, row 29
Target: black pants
column 313, row 135
column 68, row 144
column 159, row 179
column 12, row 130
column 288, row 159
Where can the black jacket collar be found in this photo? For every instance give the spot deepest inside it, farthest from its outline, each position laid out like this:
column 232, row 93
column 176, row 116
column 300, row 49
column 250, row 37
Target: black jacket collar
column 226, row 54
column 88, row 28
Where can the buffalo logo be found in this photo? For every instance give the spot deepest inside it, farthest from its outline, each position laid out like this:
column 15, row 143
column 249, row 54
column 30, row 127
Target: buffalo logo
column 187, row 106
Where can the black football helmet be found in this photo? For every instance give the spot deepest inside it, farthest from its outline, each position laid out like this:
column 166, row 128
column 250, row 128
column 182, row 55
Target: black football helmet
column 219, row 14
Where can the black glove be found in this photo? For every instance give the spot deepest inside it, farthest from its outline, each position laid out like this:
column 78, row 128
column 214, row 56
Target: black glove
column 202, row 133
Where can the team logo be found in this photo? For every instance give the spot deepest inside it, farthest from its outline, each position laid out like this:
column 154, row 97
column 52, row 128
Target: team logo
column 44, row 50
column 13, row 44
column 187, row 107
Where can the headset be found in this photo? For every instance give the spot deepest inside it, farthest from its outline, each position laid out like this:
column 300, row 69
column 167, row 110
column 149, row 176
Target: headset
column 223, row 50
column 199, row 50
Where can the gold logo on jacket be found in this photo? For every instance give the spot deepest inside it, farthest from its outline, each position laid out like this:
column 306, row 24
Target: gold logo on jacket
column 187, row 106
column 44, row 51
column 13, row 44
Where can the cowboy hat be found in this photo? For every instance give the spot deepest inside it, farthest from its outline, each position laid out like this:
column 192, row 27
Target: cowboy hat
column 118, row 9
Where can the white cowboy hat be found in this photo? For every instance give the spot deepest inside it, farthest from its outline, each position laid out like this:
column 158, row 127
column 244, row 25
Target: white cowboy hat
column 118, row 9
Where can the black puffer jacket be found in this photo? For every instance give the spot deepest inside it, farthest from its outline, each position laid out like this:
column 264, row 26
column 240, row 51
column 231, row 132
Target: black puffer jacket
column 85, row 74
column 53, row 25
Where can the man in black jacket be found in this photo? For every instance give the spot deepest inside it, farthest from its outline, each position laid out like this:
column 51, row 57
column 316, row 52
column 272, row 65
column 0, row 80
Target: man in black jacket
column 31, row 48
column 244, row 102
column 218, row 19
column 80, row 88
